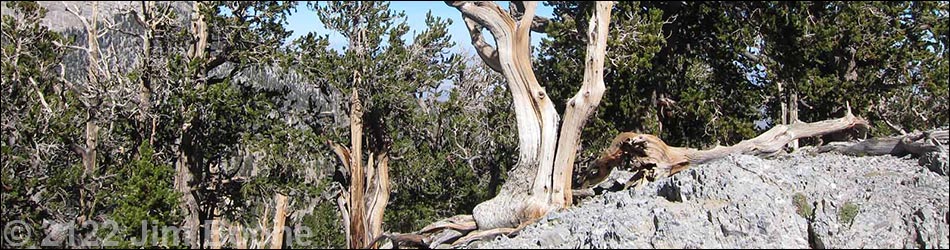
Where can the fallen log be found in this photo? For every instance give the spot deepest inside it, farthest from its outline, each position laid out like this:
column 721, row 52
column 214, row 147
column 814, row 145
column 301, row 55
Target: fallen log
column 914, row 144
column 652, row 159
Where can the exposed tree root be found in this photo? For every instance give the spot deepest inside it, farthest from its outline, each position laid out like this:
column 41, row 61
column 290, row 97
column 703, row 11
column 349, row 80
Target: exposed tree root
column 454, row 231
column 412, row 240
column 459, row 223
column 477, row 235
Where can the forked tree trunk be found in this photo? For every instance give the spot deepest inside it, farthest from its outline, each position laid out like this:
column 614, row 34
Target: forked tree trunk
column 362, row 207
column 541, row 179
column 652, row 159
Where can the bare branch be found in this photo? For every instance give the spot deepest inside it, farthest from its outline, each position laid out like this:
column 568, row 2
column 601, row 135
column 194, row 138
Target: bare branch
column 85, row 22
column 486, row 13
column 57, row 43
column 40, row 94
column 488, row 53
column 526, row 21
column 583, row 104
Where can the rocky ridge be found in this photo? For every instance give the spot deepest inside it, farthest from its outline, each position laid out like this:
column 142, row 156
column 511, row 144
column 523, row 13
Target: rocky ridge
column 799, row 200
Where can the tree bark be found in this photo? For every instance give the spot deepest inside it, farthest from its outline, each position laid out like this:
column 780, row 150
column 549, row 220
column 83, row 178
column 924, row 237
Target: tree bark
column 183, row 179
column 793, row 116
column 540, row 180
column 239, row 241
column 377, row 198
column 92, row 144
column 345, row 215
column 183, row 167
column 356, row 170
column 149, row 22
column 216, row 226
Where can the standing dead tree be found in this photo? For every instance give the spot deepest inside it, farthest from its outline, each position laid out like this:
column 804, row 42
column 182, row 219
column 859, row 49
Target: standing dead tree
column 241, row 236
column 362, row 206
column 103, row 93
column 154, row 22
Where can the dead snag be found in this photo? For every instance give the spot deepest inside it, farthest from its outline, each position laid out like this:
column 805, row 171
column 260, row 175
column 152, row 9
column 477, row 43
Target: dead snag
column 363, row 205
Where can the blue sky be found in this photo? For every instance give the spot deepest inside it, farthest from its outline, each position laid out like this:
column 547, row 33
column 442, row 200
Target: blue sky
column 305, row 21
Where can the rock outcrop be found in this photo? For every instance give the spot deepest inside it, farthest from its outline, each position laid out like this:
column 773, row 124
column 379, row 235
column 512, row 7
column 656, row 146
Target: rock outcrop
column 793, row 201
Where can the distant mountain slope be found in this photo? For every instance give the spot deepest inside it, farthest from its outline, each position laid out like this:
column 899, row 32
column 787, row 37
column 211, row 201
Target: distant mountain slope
column 59, row 19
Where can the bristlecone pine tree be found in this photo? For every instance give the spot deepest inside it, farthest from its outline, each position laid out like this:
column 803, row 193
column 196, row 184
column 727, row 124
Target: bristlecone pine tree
column 541, row 181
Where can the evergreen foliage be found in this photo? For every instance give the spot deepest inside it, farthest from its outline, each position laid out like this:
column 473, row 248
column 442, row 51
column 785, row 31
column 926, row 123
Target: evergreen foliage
column 253, row 116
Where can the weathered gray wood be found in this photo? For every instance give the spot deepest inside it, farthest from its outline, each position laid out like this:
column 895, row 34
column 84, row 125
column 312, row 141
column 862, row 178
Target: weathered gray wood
column 914, row 144
column 363, row 206
column 652, row 159
column 776, row 138
column 580, row 107
column 541, row 180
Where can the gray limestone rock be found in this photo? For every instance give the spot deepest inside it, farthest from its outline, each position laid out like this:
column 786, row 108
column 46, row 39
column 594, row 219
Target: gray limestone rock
column 749, row 202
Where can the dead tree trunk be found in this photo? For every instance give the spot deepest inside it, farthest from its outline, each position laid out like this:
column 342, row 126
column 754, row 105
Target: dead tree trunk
column 793, row 116
column 356, row 169
column 93, row 96
column 89, row 92
column 914, row 144
column 652, row 159
column 222, row 231
column 150, row 18
column 363, row 205
column 541, row 179
column 280, row 217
